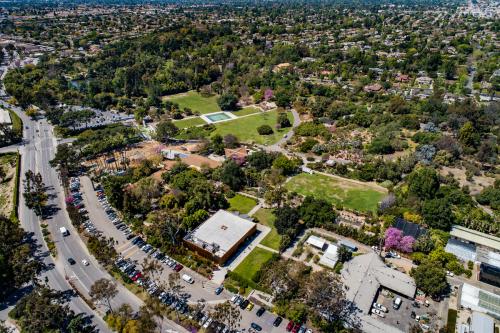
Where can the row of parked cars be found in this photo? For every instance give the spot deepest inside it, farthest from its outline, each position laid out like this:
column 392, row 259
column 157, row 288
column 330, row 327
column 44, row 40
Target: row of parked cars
column 76, row 200
column 111, row 213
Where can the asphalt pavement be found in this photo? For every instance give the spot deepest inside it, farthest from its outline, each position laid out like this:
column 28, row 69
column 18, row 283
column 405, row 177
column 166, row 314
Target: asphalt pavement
column 37, row 151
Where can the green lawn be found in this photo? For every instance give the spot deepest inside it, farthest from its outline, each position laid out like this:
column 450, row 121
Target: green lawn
column 241, row 203
column 189, row 122
column 245, row 129
column 246, row 111
column 249, row 267
column 350, row 194
column 195, row 102
column 17, row 124
column 267, row 218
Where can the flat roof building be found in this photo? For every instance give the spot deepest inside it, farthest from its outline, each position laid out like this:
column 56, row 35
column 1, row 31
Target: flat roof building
column 480, row 300
column 317, row 242
column 330, row 257
column 220, row 236
column 5, row 117
column 364, row 275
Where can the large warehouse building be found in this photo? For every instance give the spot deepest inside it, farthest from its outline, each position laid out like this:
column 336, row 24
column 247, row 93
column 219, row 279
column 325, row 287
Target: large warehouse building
column 219, row 237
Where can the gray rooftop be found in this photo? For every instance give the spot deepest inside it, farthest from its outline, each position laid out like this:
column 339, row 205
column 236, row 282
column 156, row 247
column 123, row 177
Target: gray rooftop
column 365, row 274
column 220, row 232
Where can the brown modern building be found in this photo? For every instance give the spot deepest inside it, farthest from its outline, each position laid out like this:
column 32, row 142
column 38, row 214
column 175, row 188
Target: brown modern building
column 219, row 237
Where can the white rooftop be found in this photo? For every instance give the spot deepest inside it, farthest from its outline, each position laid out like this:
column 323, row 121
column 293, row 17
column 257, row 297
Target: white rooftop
column 330, row 257
column 475, row 237
column 365, row 274
column 480, row 300
column 316, row 241
column 221, row 232
column 5, row 117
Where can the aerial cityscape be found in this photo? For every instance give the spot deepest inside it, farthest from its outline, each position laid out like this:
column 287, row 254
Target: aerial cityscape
column 249, row 166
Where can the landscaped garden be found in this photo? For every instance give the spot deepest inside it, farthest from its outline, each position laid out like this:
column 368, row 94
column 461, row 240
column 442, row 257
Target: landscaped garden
column 241, row 203
column 267, row 218
column 350, row 194
column 245, row 129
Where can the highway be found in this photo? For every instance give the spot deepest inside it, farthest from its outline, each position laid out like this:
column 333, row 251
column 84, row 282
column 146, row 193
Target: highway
column 36, row 152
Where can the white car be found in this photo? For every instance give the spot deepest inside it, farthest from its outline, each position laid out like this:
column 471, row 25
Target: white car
column 378, row 312
column 207, row 323
column 85, row 262
column 380, row 307
column 234, row 298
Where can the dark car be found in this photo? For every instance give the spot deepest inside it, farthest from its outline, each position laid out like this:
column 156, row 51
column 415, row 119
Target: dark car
column 296, row 328
column 130, row 236
column 256, row 327
column 260, row 311
column 178, row 267
column 219, row 290
column 289, row 326
column 277, row 321
column 71, row 261
column 244, row 304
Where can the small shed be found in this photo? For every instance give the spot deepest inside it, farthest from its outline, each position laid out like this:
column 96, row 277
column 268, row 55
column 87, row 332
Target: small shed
column 317, row 242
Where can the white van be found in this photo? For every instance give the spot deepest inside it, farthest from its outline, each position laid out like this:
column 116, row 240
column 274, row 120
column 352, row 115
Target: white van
column 187, row 278
column 397, row 303
column 64, row 231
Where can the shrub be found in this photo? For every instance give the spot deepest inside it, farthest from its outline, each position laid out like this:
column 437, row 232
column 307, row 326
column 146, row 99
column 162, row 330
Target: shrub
column 265, row 130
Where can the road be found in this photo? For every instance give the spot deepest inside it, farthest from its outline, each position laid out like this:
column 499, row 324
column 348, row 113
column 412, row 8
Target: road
column 37, row 151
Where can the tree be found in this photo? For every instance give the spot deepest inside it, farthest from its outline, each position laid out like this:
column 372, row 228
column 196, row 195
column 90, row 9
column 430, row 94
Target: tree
column 232, row 175
column 231, row 141
column 34, row 192
column 265, row 130
column 261, row 160
column 468, row 135
column 283, row 120
column 430, row 277
column 286, row 165
column 32, row 112
column 316, row 212
column 165, row 130
column 437, row 213
column 152, row 268
column 227, row 102
column 228, row 314
column 286, row 218
column 17, row 263
column 217, row 144
column 325, row 294
column 103, row 290
column 44, row 310
column 66, row 159
column 344, row 254
column 423, row 182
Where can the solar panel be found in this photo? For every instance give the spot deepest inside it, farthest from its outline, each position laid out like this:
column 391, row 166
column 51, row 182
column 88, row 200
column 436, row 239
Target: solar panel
column 489, row 302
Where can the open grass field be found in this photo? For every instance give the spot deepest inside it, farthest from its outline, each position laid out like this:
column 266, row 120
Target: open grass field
column 195, row 102
column 249, row 267
column 241, row 203
column 267, row 218
column 189, row 122
column 246, row 111
column 245, row 129
column 350, row 194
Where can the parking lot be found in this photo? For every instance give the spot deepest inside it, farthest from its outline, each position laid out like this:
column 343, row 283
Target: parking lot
column 201, row 288
column 402, row 317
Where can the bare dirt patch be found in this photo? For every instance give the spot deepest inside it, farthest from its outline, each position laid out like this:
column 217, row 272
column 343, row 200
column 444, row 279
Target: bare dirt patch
column 7, row 183
column 477, row 184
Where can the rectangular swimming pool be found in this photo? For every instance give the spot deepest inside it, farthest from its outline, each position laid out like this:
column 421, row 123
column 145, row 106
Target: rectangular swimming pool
column 218, row 117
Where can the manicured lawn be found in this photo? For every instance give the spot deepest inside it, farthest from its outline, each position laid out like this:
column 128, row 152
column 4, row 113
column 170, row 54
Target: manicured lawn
column 189, row 122
column 246, row 111
column 452, row 320
column 350, row 194
column 245, row 129
column 249, row 267
column 195, row 102
column 267, row 218
column 241, row 203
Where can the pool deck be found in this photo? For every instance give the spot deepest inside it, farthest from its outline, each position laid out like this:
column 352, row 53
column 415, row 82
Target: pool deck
column 206, row 117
